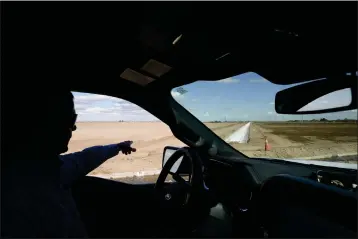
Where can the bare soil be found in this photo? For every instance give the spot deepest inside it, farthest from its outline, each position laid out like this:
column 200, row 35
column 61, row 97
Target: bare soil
column 150, row 138
column 296, row 140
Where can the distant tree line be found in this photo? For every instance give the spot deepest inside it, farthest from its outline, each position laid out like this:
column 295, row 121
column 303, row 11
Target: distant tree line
column 325, row 120
column 312, row 120
column 226, row 121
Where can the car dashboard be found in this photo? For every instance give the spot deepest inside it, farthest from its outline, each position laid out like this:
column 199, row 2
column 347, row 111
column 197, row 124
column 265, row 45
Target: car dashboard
column 303, row 201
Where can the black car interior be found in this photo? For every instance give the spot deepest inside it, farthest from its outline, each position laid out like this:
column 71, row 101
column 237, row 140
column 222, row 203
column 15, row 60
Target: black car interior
column 86, row 48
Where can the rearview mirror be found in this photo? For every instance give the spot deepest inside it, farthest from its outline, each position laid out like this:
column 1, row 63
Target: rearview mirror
column 321, row 96
column 181, row 166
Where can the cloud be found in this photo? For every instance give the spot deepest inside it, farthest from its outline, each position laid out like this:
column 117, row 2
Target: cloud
column 93, row 97
column 229, row 80
column 94, row 110
column 98, row 110
column 272, row 103
column 79, row 107
column 354, row 111
column 270, row 113
column 84, row 98
column 91, row 107
column 258, row 80
column 206, row 114
column 176, row 94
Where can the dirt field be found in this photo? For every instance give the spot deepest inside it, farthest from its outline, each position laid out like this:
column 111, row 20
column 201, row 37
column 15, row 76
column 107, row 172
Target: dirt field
column 301, row 140
column 150, row 138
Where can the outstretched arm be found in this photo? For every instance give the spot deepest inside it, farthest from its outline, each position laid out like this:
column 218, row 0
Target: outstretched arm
column 76, row 165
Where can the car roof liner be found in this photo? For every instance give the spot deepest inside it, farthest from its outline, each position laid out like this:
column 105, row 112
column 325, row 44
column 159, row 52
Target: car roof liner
column 283, row 42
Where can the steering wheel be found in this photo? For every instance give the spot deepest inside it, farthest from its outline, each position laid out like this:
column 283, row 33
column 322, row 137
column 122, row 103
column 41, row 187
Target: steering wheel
column 195, row 186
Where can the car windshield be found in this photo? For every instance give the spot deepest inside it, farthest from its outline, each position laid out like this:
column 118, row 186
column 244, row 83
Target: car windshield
column 241, row 111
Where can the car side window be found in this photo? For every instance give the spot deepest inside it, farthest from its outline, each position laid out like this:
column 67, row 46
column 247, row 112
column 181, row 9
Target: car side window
column 106, row 120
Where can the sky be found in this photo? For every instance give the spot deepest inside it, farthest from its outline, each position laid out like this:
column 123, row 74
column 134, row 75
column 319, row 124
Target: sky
column 247, row 97
column 92, row 107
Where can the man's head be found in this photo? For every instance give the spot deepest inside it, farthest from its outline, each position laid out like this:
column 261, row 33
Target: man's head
column 37, row 118
column 60, row 121
column 43, row 122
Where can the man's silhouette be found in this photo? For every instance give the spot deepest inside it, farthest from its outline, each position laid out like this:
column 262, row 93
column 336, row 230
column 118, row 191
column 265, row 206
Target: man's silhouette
column 36, row 200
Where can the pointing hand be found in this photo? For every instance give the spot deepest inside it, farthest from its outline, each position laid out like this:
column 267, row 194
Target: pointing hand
column 126, row 148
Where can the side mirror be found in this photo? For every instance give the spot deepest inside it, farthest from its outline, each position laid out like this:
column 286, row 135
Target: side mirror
column 181, row 166
column 321, row 96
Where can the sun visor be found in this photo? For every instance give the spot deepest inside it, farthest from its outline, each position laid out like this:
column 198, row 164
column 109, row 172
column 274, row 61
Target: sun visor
column 136, row 77
column 156, row 68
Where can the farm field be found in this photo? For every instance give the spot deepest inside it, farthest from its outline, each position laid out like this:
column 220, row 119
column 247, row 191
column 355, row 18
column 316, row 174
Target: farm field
column 301, row 140
column 287, row 140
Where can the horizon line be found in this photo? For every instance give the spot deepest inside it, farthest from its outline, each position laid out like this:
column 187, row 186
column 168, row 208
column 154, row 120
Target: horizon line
column 212, row 121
